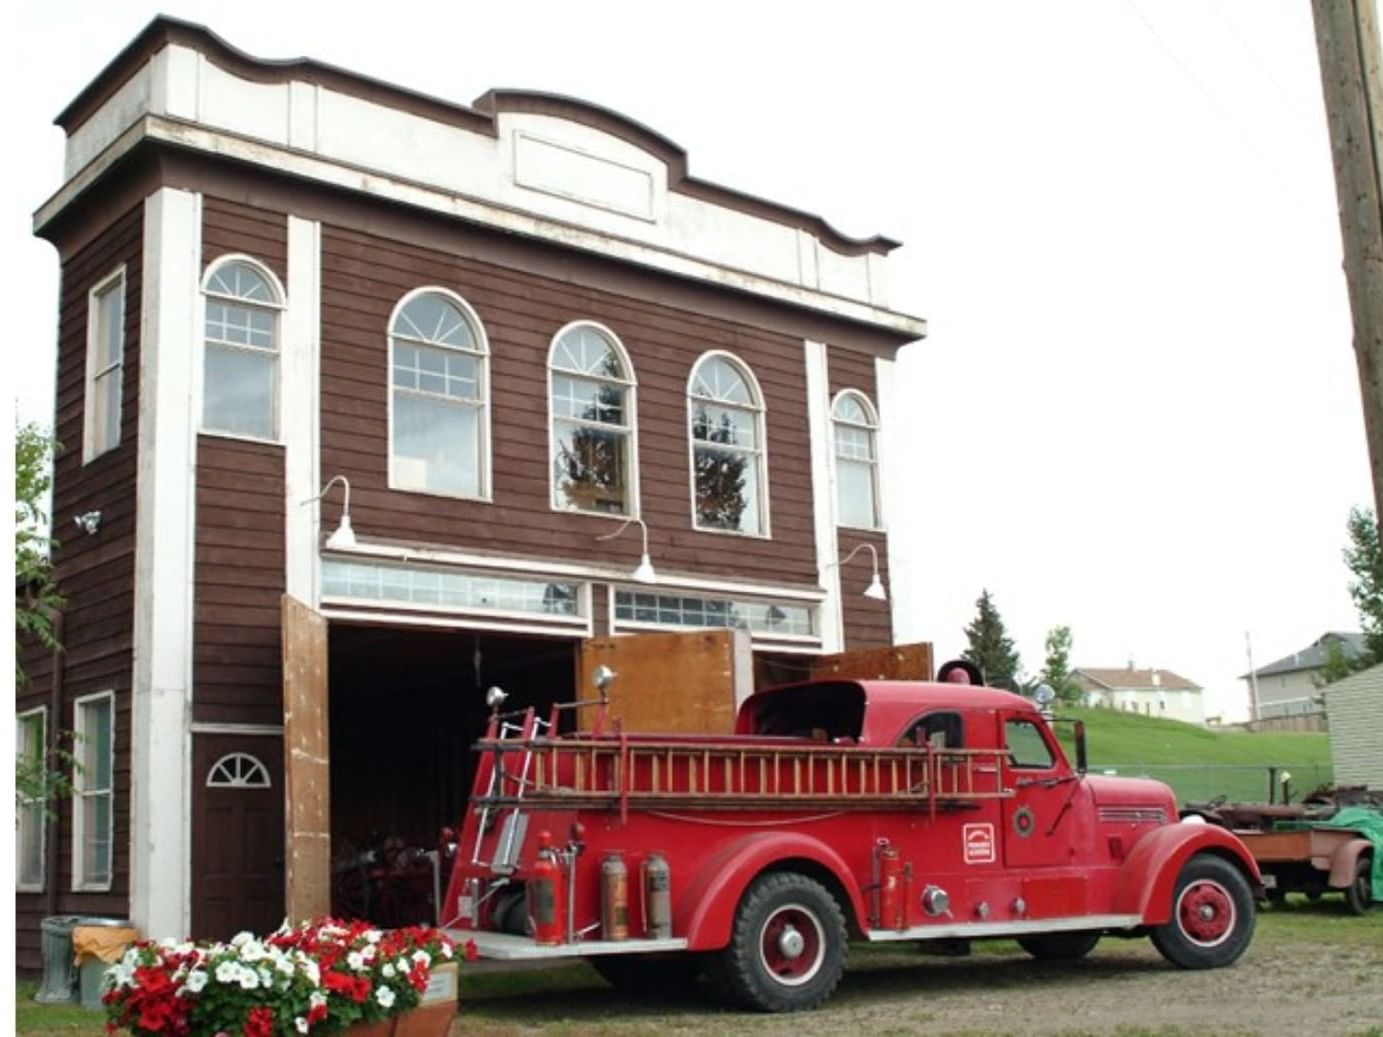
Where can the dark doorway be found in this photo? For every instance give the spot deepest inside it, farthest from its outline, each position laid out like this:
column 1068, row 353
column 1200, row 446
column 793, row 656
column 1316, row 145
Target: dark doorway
column 237, row 835
column 405, row 708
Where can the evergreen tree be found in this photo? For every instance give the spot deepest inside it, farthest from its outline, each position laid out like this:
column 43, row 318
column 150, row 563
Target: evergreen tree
column 990, row 647
column 1056, row 670
column 36, row 599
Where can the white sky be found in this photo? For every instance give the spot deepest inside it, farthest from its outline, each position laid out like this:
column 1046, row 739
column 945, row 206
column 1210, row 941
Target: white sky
column 1137, row 411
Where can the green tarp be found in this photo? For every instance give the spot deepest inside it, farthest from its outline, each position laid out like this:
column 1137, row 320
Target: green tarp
column 1370, row 823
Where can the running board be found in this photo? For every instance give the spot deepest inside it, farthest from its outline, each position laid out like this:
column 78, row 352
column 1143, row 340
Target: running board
column 508, row 947
column 1030, row 927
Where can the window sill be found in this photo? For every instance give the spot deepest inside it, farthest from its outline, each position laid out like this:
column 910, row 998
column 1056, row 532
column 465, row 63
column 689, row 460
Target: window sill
column 731, row 533
column 93, row 888
column 96, row 457
column 20, row 888
column 845, row 526
column 614, row 516
column 443, row 494
column 239, row 437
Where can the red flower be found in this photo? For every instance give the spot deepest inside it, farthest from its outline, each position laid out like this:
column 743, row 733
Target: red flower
column 471, row 952
column 417, row 976
column 260, row 1022
column 316, row 1014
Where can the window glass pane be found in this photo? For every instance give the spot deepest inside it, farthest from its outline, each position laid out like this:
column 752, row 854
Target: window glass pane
column 95, row 750
column 727, row 490
column 855, row 494
column 434, row 318
column 726, row 425
column 242, row 281
column 667, row 610
column 717, row 379
column 96, row 839
column 849, row 408
column 110, row 325
column 31, row 844
column 586, row 400
column 856, row 444
column 239, row 325
column 239, row 392
column 586, row 351
column 442, row 372
column 1026, row 746
column 436, row 445
column 590, row 469
column 447, row 588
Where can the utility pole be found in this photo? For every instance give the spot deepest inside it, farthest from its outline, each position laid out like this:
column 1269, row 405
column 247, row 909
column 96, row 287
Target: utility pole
column 1348, row 45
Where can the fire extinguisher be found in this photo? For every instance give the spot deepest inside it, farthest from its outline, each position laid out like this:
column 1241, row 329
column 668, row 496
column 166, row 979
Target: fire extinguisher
column 657, row 897
column 614, row 898
column 545, row 894
column 890, row 888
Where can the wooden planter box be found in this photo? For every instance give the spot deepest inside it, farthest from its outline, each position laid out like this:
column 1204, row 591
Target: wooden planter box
column 432, row 1018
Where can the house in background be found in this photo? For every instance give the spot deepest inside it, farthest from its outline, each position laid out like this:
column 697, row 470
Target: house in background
column 532, row 346
column 1290, row 686
column 1355, row 706
column 1155, row 693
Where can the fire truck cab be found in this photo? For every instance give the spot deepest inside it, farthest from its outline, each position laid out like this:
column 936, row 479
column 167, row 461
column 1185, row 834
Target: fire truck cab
column 838, row 810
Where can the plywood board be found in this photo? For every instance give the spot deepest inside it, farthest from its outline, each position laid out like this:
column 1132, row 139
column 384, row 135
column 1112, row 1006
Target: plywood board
column 899, row 663
column 307, row 784
column 688, row 683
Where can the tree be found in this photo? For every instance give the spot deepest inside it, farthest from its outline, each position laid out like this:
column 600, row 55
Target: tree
column 990, row 647
column 1365, row 561
column 36, row 599
column 1056, row 670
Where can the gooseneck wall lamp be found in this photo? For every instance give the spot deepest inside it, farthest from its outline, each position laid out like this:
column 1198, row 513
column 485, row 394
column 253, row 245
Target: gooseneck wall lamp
column 643, row 573
column 344, row 536
column 875, row 590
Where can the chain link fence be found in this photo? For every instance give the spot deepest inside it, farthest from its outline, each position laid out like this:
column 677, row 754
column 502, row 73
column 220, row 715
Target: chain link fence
column 1244, row 783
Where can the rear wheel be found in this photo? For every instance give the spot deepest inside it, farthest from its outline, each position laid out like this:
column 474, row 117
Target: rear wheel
column 1212, row 916
column 787, row 946
column 1059, row 946
column 651, row 974
column 1359, row 893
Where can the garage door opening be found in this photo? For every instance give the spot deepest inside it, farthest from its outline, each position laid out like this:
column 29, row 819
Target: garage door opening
column 405, row 708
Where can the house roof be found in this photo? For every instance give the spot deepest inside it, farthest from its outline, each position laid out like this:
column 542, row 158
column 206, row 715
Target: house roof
column 1313, row 656
column 1126, row 678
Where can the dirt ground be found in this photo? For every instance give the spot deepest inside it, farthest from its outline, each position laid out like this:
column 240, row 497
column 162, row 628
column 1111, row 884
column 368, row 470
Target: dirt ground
column 1316, row 976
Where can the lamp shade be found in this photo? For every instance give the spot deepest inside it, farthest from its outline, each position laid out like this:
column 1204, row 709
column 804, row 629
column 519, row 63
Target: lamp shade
column 644, row 573
column 344, row 537
column 875, row 590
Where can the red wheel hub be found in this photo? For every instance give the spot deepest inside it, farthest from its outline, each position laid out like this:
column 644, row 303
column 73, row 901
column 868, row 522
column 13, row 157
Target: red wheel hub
column 1205, row 912
column 791, row 945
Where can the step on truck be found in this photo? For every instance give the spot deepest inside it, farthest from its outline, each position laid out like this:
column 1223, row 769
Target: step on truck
column 839, row 810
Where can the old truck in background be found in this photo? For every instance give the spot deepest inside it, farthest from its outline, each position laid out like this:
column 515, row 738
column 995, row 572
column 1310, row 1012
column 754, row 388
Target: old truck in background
column 838, row 810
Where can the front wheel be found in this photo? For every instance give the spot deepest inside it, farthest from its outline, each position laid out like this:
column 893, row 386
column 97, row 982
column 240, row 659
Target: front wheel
column 787, row 946
column 1359, row 893
column 1212, row 916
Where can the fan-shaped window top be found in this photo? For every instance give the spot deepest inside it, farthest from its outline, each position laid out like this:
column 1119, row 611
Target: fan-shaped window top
column 238, row 771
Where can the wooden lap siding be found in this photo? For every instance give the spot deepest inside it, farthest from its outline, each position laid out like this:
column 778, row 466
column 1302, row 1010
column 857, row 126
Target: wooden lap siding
column 363, row 278
column 868, row 623
column 95, row 574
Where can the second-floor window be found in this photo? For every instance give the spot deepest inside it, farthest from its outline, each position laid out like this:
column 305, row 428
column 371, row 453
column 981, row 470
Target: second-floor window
column 241, row 372
column 726, row 414
column 439, row 425
column 592, row 399
column 854, row 428
column 105, row 364
column 93, row 817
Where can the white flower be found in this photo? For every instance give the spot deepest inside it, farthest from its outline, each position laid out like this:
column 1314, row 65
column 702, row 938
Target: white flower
column 301, row 1024
column 312, row 971
column 423, row 957
column 249, row 979
column 168, row 942
column 316, row 1000
column 196, row 981
column 242, row 938
column 266, row 978
column 446, row 951
column 228, row 972
column 252, row 951
column 385, row 997
column 368, row 952
column 284, row 965
column 372, row 935
column 354, row 961
column 389, row 971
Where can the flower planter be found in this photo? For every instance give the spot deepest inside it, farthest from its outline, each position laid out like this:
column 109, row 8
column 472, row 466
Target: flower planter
column 423, row 1021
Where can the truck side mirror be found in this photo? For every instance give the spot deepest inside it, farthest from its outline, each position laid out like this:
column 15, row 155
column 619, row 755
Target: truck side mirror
column 1082, row 762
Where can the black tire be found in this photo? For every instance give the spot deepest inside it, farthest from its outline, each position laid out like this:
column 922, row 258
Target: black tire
column 1212, row 916
column 787, row 946
column 1059, row 946
column 651, row 974
column 1359, row 893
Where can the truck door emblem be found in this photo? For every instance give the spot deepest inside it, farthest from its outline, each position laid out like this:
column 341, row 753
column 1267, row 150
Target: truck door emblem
column 1023, row 821
column 979, row 844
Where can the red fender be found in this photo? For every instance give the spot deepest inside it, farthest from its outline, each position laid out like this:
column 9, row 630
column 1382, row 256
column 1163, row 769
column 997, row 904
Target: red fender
column 709, row 901
column 1149, row 873
column 1342, row 863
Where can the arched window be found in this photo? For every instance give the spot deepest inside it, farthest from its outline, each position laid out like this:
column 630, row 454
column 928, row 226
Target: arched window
column 439, row 421
column 238, row 771
column 591, row 395
column 855, row 427
column 726, row 414
column 240, row 383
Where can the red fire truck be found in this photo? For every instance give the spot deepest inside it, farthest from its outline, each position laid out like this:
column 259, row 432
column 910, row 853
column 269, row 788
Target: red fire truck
column 838, row 810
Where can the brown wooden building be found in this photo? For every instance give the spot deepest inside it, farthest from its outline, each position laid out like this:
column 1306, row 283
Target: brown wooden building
column 510, row 327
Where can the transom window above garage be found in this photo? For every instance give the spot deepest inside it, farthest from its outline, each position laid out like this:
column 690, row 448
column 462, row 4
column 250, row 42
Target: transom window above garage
column 450, row 589
column 774, row 619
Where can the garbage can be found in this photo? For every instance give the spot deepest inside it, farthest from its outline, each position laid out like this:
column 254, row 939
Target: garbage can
column 97, row 944
column 59, row 977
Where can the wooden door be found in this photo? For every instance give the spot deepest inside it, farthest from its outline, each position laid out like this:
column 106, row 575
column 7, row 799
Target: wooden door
column 237, row 835
column 897, row 663
column 306, row 763
column 688, row 683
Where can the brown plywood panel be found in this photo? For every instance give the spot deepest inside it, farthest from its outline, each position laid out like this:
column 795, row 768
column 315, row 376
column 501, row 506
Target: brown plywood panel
column 899, row 663
column 307, row 824
column 671, row 683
